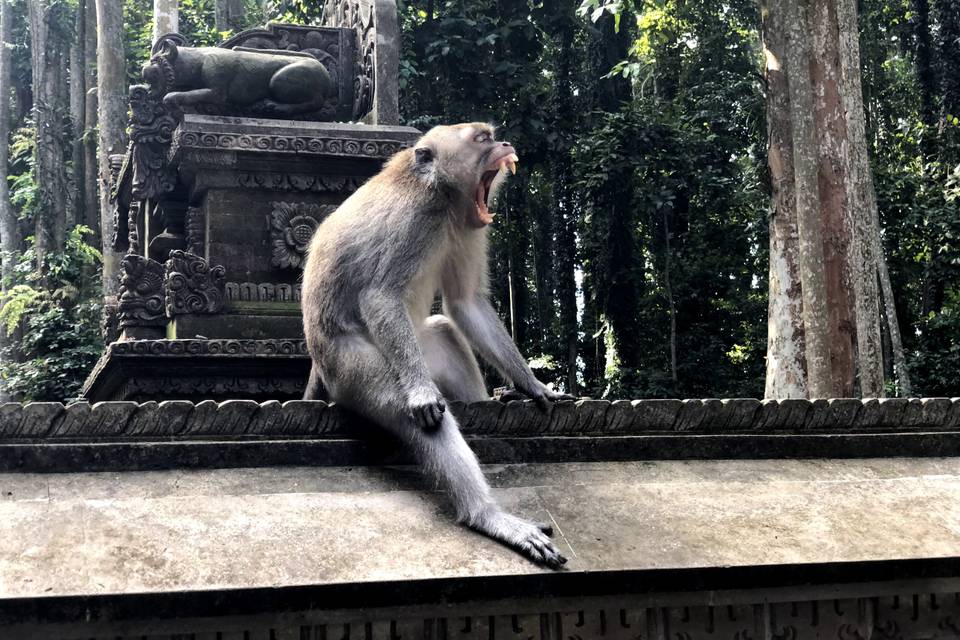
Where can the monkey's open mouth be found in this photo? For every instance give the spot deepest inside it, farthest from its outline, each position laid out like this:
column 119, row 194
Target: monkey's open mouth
column 484, row 217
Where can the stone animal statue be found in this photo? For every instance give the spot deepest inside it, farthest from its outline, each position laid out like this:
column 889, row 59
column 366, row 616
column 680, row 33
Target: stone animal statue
column 374, row 266
column 266, row 82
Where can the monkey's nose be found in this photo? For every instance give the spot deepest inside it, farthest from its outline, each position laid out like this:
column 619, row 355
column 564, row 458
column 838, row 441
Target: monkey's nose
column 506, row 144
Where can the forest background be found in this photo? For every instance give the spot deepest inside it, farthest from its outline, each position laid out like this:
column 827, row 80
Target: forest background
column 630, row 254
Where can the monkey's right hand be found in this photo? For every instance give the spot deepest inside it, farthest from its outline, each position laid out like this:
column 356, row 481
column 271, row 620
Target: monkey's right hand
column 426, row 406
column 544, row 397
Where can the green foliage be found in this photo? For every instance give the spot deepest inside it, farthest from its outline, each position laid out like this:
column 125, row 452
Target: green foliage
column 196, row 24
column 53, row 314
column 20, row 173
column 916, row 154
column 295, row 11
column 680, row 137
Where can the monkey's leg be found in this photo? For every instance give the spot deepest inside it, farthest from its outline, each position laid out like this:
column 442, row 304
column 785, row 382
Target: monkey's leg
column 445, row 455
column 365, row 383
column 450, row 360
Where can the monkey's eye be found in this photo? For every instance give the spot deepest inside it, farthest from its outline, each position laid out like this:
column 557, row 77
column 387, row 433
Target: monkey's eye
column 482, row 137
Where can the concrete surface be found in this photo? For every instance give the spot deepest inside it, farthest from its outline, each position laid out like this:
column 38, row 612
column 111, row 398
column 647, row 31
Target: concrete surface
column 134, row 532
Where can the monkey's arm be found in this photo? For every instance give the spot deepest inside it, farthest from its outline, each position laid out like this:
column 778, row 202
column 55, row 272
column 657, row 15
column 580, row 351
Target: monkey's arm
column 478, row 320
column 391, row 330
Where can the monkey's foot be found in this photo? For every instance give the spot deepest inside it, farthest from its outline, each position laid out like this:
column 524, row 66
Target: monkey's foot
column 531, row 539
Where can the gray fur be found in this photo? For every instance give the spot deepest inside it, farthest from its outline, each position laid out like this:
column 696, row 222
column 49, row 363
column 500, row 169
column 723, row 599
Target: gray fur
column 373, row 269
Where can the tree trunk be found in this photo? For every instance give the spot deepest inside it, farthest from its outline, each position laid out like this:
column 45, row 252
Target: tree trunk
column 78, row 113
column 948, row 54
column 811, row 256
column 91, row 201
column 47, row 45
column 786, row 358
column 831, row 133
column 901, row 374
column 563, row 203
column 228, row 15
column 9, row 229
column 671, row 304
column 863, row 208
column 166, row 17
column 926, row 77
column 544, row 274
column 112, row 118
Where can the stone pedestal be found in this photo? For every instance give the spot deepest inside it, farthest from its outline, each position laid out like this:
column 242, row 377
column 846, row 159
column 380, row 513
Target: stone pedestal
column 257, row 191
column 220, row 257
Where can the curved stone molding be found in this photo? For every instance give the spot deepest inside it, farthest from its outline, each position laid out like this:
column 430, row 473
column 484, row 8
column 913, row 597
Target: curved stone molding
column 216, row 386
column 298, row 182
column 515, row 419
column 224, row 347
column 352, row 147
column 191, row 286
column 262, row 292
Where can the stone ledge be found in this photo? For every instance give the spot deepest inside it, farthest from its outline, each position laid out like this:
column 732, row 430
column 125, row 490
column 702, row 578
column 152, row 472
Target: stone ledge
column 178, row 554
column 52, row 421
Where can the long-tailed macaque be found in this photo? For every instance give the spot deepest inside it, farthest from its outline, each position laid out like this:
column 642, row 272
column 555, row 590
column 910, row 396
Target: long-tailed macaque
column 374, row 268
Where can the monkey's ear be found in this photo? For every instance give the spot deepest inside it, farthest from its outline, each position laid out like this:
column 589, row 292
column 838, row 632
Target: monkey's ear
column 423, row 155
column 424, row 166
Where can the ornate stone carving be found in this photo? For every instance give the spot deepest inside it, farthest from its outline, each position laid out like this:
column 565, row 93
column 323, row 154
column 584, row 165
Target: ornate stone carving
column 213, row 387
column 262, row 292
column 109, row 321
column 118, row 166
column 151, row 133
column 224, row 347
column 276, row 82
column 292, row 225
column 329, row 146
column 483, row 418
column 359, row 16
column 196, row 231
column 191, row 286
column 334, row 47
column 140, row 299
column 299, row 182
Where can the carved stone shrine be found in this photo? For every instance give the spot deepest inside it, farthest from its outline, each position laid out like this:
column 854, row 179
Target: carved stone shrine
column 219, row 194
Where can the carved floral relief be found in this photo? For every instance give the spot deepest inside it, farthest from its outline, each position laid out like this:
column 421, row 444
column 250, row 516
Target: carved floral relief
column 292, row 225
